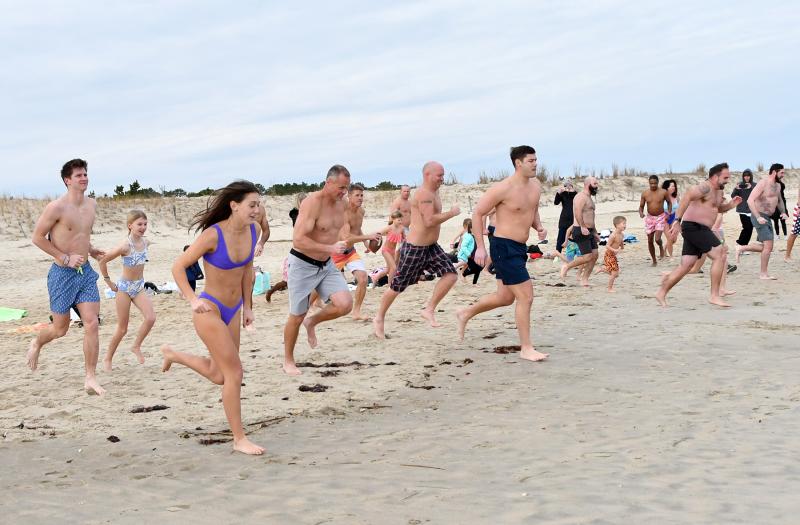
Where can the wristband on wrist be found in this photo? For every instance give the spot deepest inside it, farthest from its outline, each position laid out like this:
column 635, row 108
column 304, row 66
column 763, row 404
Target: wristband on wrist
column 106, row 277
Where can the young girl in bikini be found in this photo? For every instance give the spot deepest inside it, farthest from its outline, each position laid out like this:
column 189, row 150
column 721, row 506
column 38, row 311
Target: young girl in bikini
column 227, row 244
column 395, row 235
column 130, row 287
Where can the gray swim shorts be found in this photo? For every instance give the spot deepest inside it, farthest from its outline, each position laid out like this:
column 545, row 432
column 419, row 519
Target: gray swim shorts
column 306, row 275
column 764, row 231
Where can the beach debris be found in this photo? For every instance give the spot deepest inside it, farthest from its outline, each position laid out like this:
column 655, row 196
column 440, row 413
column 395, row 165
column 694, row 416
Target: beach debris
column 331, row 365
column 21, row 424
column 390, row 363
column 143, row 409
column 374, row 406
column 113, row 439
column 423, row 387
column 313, row 388
column 468, row 361
column 506, row 349
column 421, row 466
column 329, row 373
column 491, row 336
column 214, row 440
column 284, row 399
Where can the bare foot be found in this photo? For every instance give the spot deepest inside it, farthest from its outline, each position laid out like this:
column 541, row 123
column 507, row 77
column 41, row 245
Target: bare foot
column 245, row 446
column 358, row 316
column 428, row 315
column 167, row 351
column 766, row 277
column 585, row 283
column 377, row 325
column 725, row 293
column 461, row 316
column 92, row 387
column 661, row 297
column 106, row 365
column 611, row 290
column 563, row 271
column 787, row 259
column 653, row 263
column 33, row 355
column 312, row 334
column 532, row 355
column 138, row 353
column 719, row 302
column 291, row 369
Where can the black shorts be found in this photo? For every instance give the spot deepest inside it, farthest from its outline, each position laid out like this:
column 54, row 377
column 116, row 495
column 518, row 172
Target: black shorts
column 586, row 243
column 414, row 260
column 697, row 239
column 509, row 258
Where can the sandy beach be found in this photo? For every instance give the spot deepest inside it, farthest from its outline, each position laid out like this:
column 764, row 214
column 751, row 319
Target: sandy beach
column 679, row 415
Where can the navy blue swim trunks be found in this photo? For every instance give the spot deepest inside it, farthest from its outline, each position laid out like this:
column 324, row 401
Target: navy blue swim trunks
column 509, row 258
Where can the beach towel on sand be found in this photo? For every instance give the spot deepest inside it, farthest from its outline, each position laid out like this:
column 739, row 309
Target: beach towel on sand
column 11, row 314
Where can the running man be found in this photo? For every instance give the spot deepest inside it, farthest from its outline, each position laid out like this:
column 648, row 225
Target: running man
column 421, row 251
column 655, row 221
column 696, row 217
column 516, row 201
column 351, row 234
column 763, row 201
column 584, row 233
column 403, row 205
column 63, row 231
column 310, row 268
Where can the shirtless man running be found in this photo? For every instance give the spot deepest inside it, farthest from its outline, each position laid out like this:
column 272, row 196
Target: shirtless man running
column 696, row 217
column 351, row 234
column 63, row 232
column 584, row 233
column 656, row 220
column 402, row 204
column 763, row 201
column 310, row 268
column 516, row 201
column 421, row 251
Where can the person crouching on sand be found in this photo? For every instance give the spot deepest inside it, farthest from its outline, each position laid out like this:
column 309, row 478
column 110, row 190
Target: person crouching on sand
column 227, row 245
column 130, row 287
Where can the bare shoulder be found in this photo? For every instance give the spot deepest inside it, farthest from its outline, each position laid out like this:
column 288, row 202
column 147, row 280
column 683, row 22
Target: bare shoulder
column 422, row 196
column 704, row 188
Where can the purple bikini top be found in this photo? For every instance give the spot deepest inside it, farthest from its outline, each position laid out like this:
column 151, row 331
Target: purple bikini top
column 220, row 258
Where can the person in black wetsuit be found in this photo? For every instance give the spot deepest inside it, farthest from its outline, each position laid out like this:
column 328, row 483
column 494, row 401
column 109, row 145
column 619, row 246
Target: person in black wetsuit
column 564, row 197
column 743, row 190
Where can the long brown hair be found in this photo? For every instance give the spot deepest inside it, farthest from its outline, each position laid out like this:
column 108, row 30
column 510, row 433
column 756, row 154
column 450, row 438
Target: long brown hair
column 218, row 207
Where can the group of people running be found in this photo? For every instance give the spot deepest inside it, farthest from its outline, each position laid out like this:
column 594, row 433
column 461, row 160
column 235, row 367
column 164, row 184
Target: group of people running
column 329, row 223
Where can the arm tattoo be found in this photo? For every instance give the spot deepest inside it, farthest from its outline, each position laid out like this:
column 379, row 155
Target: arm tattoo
column 705, row 189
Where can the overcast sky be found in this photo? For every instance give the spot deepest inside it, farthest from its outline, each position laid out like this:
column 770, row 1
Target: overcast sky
column 195, row 94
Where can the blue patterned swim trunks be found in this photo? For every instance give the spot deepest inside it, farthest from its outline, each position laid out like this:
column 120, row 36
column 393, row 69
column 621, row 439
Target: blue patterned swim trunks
column 67, row 286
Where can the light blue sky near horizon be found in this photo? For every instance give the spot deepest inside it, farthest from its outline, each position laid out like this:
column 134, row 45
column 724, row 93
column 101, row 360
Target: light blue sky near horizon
column 196, row 94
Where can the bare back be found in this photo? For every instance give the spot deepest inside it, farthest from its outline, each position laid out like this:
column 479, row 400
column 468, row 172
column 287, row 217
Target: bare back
column 517, row 204
column 705, row 209
column 423, row 235
column 69, row 224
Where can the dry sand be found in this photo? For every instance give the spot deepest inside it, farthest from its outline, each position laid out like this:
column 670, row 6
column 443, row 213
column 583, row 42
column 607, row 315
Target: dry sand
column 683, row 415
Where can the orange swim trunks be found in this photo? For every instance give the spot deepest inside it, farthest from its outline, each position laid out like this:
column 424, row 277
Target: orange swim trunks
column 610, row 261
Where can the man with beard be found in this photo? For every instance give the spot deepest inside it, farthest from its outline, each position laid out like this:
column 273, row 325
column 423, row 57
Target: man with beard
column 584, row 233
column 695, row 217
column 763, row 201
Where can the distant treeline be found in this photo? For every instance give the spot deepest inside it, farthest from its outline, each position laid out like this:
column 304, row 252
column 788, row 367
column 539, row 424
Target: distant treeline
column 135, row 190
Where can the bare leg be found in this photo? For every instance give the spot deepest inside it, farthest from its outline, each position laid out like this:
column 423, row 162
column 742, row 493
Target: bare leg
column 698, row 265
column 752, row 247
column 145, row 305
column 341, row 304
column 123, row 306
column 671, row 279
column 587, row 271
column 361, row 292
column 765, row 255
column 612, row 276
column 577, row 261
column 718, row 268
column 444, row 285
column 387, row 299
column 651, row 247
column 290, row 333
column 523, row 294
column 501, row 297
column 277, row 287
column 789, row 246
column 54, row 331
column 659, row 243
column 91, row 346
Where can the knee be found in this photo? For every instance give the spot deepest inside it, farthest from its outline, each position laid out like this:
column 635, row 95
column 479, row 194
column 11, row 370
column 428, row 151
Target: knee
column 60, row 331
column 526, row 300
column 91, row 325
column 122, row 329
column 507, row 298
column 361, row 278
column 150, row 318
column 345, row 305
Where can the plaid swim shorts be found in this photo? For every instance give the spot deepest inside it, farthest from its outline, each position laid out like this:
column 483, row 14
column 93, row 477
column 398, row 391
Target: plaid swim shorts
column 414, row 260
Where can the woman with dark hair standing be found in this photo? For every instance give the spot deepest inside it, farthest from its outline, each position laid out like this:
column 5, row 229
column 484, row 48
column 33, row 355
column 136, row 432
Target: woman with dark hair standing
column 564, row 197
column 227, row 244
column 670, row 207
column 743, row 190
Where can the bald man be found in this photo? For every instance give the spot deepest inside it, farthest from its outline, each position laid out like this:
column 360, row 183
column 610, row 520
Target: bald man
column 421, row 252
column 584, row 233
column 403, row 205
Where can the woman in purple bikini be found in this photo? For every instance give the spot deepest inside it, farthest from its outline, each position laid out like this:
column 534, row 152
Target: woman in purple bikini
column 226, row 244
